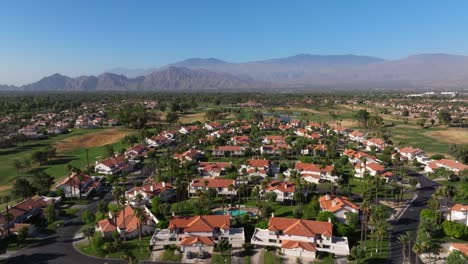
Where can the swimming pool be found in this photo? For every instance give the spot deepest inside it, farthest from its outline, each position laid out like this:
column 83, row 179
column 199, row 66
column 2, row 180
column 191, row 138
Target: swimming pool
column 234, row 212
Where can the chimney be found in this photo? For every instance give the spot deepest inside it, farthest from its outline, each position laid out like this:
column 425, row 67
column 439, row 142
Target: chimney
column 151, row 187
column 173, row 214
column 329, row 220
column 163, row 184
column 333, row 203
column 272, row 214
column 327, row 197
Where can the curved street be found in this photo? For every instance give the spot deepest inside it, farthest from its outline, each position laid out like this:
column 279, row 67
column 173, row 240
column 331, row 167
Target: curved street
column 409, row 220
column 58, row 248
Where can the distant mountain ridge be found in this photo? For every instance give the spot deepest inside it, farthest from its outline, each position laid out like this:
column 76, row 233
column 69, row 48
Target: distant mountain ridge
column 302, row 71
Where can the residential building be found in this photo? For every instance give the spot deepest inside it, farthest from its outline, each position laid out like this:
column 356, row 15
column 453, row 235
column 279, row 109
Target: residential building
column 146, row 192
column 126, row 223
column 373, row 168
column 113, row 165
column 452, row 165
column 257, row 167
column 338, row 205
column 284, row 190
column 198, row 234
column 213, row 169
column 458, row 213
column 300, row 238
column 230, row 151
column 79, row 185
column 221, row 186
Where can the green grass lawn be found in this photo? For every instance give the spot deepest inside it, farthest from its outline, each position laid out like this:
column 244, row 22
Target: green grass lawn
column 52, row 228
column 216, row 257
column 12, row 243
column 170, row 255
column 270, row 257
column 131, row 245
column 55, row 167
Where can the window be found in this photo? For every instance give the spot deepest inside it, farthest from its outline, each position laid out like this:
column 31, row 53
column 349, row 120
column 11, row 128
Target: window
column 272, row 240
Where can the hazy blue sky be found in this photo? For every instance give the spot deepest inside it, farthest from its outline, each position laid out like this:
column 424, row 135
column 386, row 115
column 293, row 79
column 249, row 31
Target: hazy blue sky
column 41, row 37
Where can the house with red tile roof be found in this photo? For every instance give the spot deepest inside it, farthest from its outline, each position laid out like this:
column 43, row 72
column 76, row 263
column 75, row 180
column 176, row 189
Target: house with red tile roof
column 256, row 167
column 74, row 183
column 463, row 248
column 300, row 238
column 455, row 166
column 378, row 143
column 410, row 153
column 113, row 165
column 213, row 169
column 134, row 152
column 198, row 234
column 274, row 149
column 149, row 190
column 22, row 211
column 338, row 205
column 314, row 126
column 355, row 156
column 191, row 154
column 243, row 140
column 373, row 168
column 229, row 150
column 274, row 139
column 339, row 129
column 213, row 126
column 221, row 186
column 188, row 129
column 127, row 223
column 458, row 213
column 284, row 190
column 357, row 136
column 157, row 141
column 313, row 173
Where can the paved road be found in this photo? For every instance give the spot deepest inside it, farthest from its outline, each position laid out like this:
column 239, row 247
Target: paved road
column 59, row 248
column 409, row 221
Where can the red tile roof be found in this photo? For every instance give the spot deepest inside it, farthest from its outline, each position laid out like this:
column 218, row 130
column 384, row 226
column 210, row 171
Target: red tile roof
column 259, row 162
column 188, row 241
column 461, row 247
column 460, row 207
column 335, row 203
column 289, row 244
column 300, row 227
column 203, row 223
column 212, row 183
column 281, row 186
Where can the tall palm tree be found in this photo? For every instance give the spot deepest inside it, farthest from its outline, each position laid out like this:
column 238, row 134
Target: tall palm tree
column 140, row 216
column 403, row 238
column 418, row 249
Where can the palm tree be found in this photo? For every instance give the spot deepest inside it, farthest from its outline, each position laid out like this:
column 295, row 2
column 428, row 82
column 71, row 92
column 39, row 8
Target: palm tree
column 418, row 249
column 140, row 218
column 403, row 238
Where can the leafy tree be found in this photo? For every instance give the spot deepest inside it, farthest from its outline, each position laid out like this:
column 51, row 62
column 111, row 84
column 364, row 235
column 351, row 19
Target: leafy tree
column 109, row 151
column 42, row 182
column 50, row 214
column 460, row 152
column 39, row 156
column 455, row 230
column 444, row 117
column 88, row 232
column 23, row 189
column 326, row 216
column 421, row 122
column 88, row 217
column 362, row 116
column 172, row 117
column 352, row 220
column 271, row 197
column 23, row 233
column 457, row 257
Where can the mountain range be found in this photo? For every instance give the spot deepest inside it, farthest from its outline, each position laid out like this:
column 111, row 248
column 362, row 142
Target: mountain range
column 302, row 71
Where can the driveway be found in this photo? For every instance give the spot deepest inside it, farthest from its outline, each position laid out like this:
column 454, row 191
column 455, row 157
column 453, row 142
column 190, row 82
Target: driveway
column 409, row 220
column 58, row 248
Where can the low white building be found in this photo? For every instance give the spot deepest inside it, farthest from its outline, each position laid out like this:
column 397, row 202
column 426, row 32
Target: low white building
column 458, row 213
